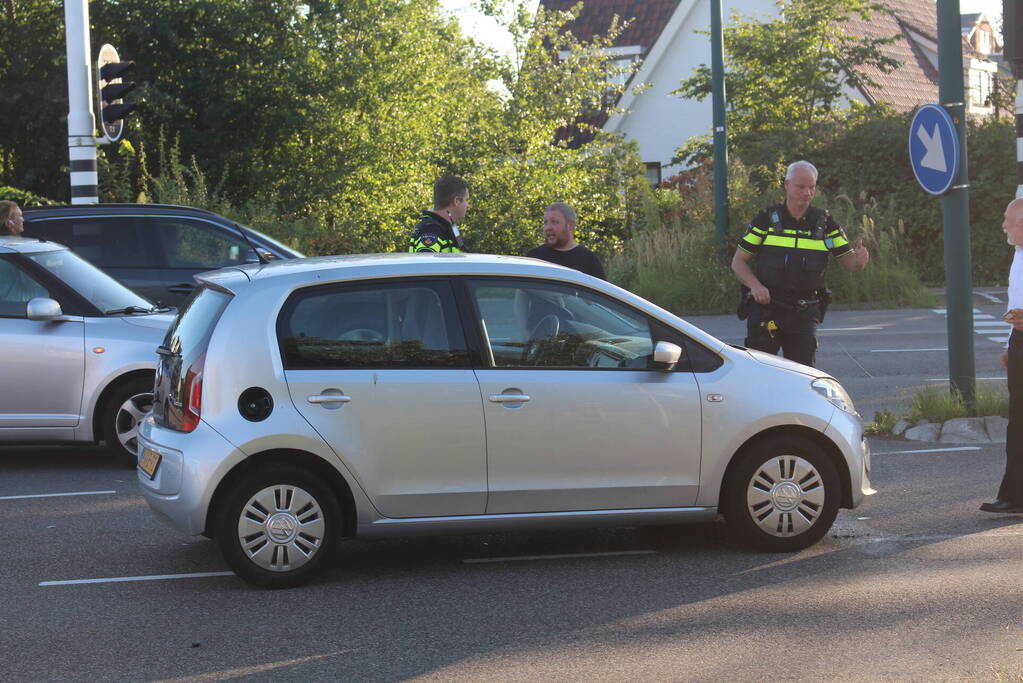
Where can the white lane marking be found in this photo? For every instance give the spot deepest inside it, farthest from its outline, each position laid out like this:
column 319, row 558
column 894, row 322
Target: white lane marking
column 55, row 495
column 989, row 297
column 849, row 329
column 941, row 537
column 125, row 579
column 942, row 348
column 929, row 450
column 944, row 311
column 999, row 340
column 946, row 379
column 983, row 317
column 527, row 558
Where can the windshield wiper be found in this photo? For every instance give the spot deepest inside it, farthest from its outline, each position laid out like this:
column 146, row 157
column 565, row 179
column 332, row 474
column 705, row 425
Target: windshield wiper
column 130, row 309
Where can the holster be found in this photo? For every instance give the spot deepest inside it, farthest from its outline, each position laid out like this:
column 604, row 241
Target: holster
column 824, row 299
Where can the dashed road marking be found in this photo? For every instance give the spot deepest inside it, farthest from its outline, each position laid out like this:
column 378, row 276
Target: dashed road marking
column 563, row 556
column 928, row 450
column 57, row 495
column 126, row 579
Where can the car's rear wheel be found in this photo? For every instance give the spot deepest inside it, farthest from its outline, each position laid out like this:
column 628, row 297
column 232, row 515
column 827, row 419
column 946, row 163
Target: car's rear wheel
column 278, row 526
column 783, row 495
column 124, row 410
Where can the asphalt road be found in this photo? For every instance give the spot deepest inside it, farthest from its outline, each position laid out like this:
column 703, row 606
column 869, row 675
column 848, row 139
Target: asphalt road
column 916, row 584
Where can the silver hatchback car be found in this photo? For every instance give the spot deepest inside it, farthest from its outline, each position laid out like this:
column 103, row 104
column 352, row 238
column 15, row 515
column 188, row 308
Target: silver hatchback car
column 302, row 402
column 79, row 349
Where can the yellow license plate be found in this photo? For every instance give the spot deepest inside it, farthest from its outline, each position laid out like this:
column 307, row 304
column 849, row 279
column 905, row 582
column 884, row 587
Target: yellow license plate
column 149, row 461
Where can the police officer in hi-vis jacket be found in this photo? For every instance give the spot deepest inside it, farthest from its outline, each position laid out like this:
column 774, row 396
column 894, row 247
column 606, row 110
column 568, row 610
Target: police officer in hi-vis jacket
column 792, row 243
column 437, row 230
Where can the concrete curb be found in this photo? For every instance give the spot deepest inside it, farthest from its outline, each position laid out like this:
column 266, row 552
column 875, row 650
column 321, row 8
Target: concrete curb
column 990, row 429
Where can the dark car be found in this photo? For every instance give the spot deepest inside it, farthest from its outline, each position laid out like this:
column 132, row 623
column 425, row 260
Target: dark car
column 154, row 249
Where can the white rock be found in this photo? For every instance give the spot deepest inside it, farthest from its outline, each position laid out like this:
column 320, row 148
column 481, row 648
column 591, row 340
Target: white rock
column 926, row 431
column 964, row 430
column 900, row 427
column 996, row 427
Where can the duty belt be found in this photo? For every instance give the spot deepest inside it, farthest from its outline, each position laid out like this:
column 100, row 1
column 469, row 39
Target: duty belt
column 797, row 305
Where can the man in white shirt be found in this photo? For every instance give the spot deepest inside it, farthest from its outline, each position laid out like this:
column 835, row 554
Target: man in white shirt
column 1010, row 493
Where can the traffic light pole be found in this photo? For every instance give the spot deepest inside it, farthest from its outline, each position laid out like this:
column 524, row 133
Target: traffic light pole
column 720, row 130
column 81, row 125
column 955, row 209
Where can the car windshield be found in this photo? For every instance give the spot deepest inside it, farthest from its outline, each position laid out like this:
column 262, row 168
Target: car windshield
column 102, row 291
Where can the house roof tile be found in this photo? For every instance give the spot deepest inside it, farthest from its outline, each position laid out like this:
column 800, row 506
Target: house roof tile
column 915, row 80
column 648, row 18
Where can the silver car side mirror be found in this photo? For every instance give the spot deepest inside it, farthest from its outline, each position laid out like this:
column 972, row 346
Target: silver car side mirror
column 42, row 308
column 666, row 356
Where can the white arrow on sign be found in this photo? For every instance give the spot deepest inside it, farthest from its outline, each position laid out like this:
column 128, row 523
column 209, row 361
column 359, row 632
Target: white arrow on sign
column 934, row 156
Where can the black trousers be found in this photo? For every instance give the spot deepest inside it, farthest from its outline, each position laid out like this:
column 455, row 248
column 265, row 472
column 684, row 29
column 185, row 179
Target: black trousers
column 796, row 335
column 1011, row 489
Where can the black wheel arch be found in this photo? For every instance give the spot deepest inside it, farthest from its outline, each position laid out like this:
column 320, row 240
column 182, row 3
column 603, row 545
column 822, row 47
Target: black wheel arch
column 827, row 446
column 298, row 458
column 100, row 411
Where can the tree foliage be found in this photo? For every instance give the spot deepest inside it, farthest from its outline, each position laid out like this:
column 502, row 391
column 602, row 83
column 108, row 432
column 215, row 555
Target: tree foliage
column 786, row 79
column 338, row 111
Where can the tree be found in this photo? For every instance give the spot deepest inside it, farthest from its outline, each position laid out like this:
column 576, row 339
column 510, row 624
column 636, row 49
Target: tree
column 786, row 79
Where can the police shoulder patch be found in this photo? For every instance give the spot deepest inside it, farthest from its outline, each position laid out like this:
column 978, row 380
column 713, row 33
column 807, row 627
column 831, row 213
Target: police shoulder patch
column 428, row 240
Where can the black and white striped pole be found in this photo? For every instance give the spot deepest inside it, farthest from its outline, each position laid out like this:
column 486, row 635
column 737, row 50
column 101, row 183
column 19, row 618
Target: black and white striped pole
column 81, row 125
column 1012, row 38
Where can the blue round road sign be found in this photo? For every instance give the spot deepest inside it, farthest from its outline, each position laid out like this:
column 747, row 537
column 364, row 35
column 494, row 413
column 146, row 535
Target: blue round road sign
column 934, row 148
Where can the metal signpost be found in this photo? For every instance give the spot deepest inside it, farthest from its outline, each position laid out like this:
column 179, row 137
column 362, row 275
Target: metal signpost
column 937, row 151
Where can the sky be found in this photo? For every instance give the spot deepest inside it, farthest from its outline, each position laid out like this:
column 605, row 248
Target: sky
column 493, row 35
column 483, row 28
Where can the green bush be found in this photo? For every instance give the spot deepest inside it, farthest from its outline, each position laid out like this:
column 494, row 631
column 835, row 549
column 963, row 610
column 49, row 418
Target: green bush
column 23, row 197
column 869, row 157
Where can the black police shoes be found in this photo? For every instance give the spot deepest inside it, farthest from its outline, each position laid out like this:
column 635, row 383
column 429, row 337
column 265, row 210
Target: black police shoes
column 1003, row 506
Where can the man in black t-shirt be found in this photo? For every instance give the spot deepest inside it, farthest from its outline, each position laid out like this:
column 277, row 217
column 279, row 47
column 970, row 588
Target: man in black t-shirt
column 561, row 247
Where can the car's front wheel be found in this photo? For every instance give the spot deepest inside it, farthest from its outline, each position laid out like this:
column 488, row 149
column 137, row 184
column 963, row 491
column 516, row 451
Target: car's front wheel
column 277, row 526
column 783, row 495
column 124, row 410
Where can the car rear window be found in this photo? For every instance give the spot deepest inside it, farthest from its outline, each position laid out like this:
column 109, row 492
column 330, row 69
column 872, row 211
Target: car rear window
column 184, row 347
column 194, row 324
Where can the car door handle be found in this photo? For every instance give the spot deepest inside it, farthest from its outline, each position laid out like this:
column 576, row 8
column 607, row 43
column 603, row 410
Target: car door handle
column 508, row 398
column 180, row 289
column 329, row 398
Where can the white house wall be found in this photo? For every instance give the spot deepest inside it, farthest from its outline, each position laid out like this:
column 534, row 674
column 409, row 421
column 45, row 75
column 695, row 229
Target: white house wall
column 659, row 121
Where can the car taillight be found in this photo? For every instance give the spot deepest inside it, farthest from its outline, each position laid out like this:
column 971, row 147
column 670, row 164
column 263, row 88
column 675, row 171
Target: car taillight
column 193, row 395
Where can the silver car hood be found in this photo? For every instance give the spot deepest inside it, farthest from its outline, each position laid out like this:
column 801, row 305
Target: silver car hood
column 784, row 363
column 156, row 320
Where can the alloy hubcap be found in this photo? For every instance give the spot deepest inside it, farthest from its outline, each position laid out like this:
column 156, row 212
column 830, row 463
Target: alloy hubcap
column 129, row 415
column 281, row 528
column 785, row 496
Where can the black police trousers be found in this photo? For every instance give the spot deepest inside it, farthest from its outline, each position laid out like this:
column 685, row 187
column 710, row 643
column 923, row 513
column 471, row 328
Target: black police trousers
column 796, row 333
column 1011, row 489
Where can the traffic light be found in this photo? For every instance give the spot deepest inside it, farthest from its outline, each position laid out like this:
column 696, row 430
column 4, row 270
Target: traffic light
column 111, row 89
column 1012, row 34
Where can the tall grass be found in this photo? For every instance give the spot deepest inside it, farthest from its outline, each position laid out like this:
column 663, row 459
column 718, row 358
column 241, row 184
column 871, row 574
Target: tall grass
column 936, row 404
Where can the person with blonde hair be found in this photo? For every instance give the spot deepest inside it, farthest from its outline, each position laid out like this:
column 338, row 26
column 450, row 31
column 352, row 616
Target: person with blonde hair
column 11, row 221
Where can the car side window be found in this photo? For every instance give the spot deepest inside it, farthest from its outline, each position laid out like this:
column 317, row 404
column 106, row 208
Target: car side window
column 530, row 324
column 380, row 325
column 190, row 244
column 108, row 242
column 17, row 288
column 695, row 357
